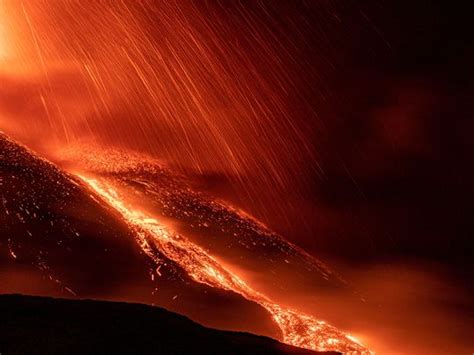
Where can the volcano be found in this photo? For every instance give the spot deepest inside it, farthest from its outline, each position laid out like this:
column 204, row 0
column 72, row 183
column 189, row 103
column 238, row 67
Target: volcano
column 137, row 232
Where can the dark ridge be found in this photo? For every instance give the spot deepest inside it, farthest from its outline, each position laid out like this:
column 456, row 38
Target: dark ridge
column 40, row 325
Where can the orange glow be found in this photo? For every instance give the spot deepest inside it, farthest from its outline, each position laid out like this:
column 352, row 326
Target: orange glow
column 298, row 328
column 3, row 32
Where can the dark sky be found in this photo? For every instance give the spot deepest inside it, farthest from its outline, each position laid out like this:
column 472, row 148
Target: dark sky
column 397, row 146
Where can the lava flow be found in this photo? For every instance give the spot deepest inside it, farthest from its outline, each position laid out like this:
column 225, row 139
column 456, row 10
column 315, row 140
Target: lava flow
column 298, row 329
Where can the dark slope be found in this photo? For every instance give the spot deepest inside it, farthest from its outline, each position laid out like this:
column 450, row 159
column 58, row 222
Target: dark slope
column 58, row 240
column 37, row 325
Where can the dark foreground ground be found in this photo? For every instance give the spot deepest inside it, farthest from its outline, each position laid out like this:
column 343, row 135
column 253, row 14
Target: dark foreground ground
column 39, row 325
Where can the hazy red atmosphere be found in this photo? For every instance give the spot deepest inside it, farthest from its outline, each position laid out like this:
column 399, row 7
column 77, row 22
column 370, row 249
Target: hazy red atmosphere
column 294, row 169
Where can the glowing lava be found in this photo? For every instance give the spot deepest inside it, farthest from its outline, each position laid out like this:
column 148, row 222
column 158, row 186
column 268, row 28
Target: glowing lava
column 298, row 329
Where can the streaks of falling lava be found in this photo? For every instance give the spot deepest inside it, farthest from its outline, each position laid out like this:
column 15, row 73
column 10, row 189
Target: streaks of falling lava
column 298, row 329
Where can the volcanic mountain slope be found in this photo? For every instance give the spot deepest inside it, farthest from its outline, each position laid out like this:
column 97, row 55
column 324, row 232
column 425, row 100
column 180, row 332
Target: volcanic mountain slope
column 37, row 325
column 88, row 235
column 57, row 239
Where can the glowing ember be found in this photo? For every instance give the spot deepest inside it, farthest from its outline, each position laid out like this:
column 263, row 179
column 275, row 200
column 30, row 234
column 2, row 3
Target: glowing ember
column 298, row 329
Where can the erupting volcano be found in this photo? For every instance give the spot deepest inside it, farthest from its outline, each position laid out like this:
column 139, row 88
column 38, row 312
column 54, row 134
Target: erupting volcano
column 27, row 214
column 277, row 168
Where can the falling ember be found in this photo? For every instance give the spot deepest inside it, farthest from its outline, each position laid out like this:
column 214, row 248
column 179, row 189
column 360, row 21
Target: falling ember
column 217, row 84
column 298, row 329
